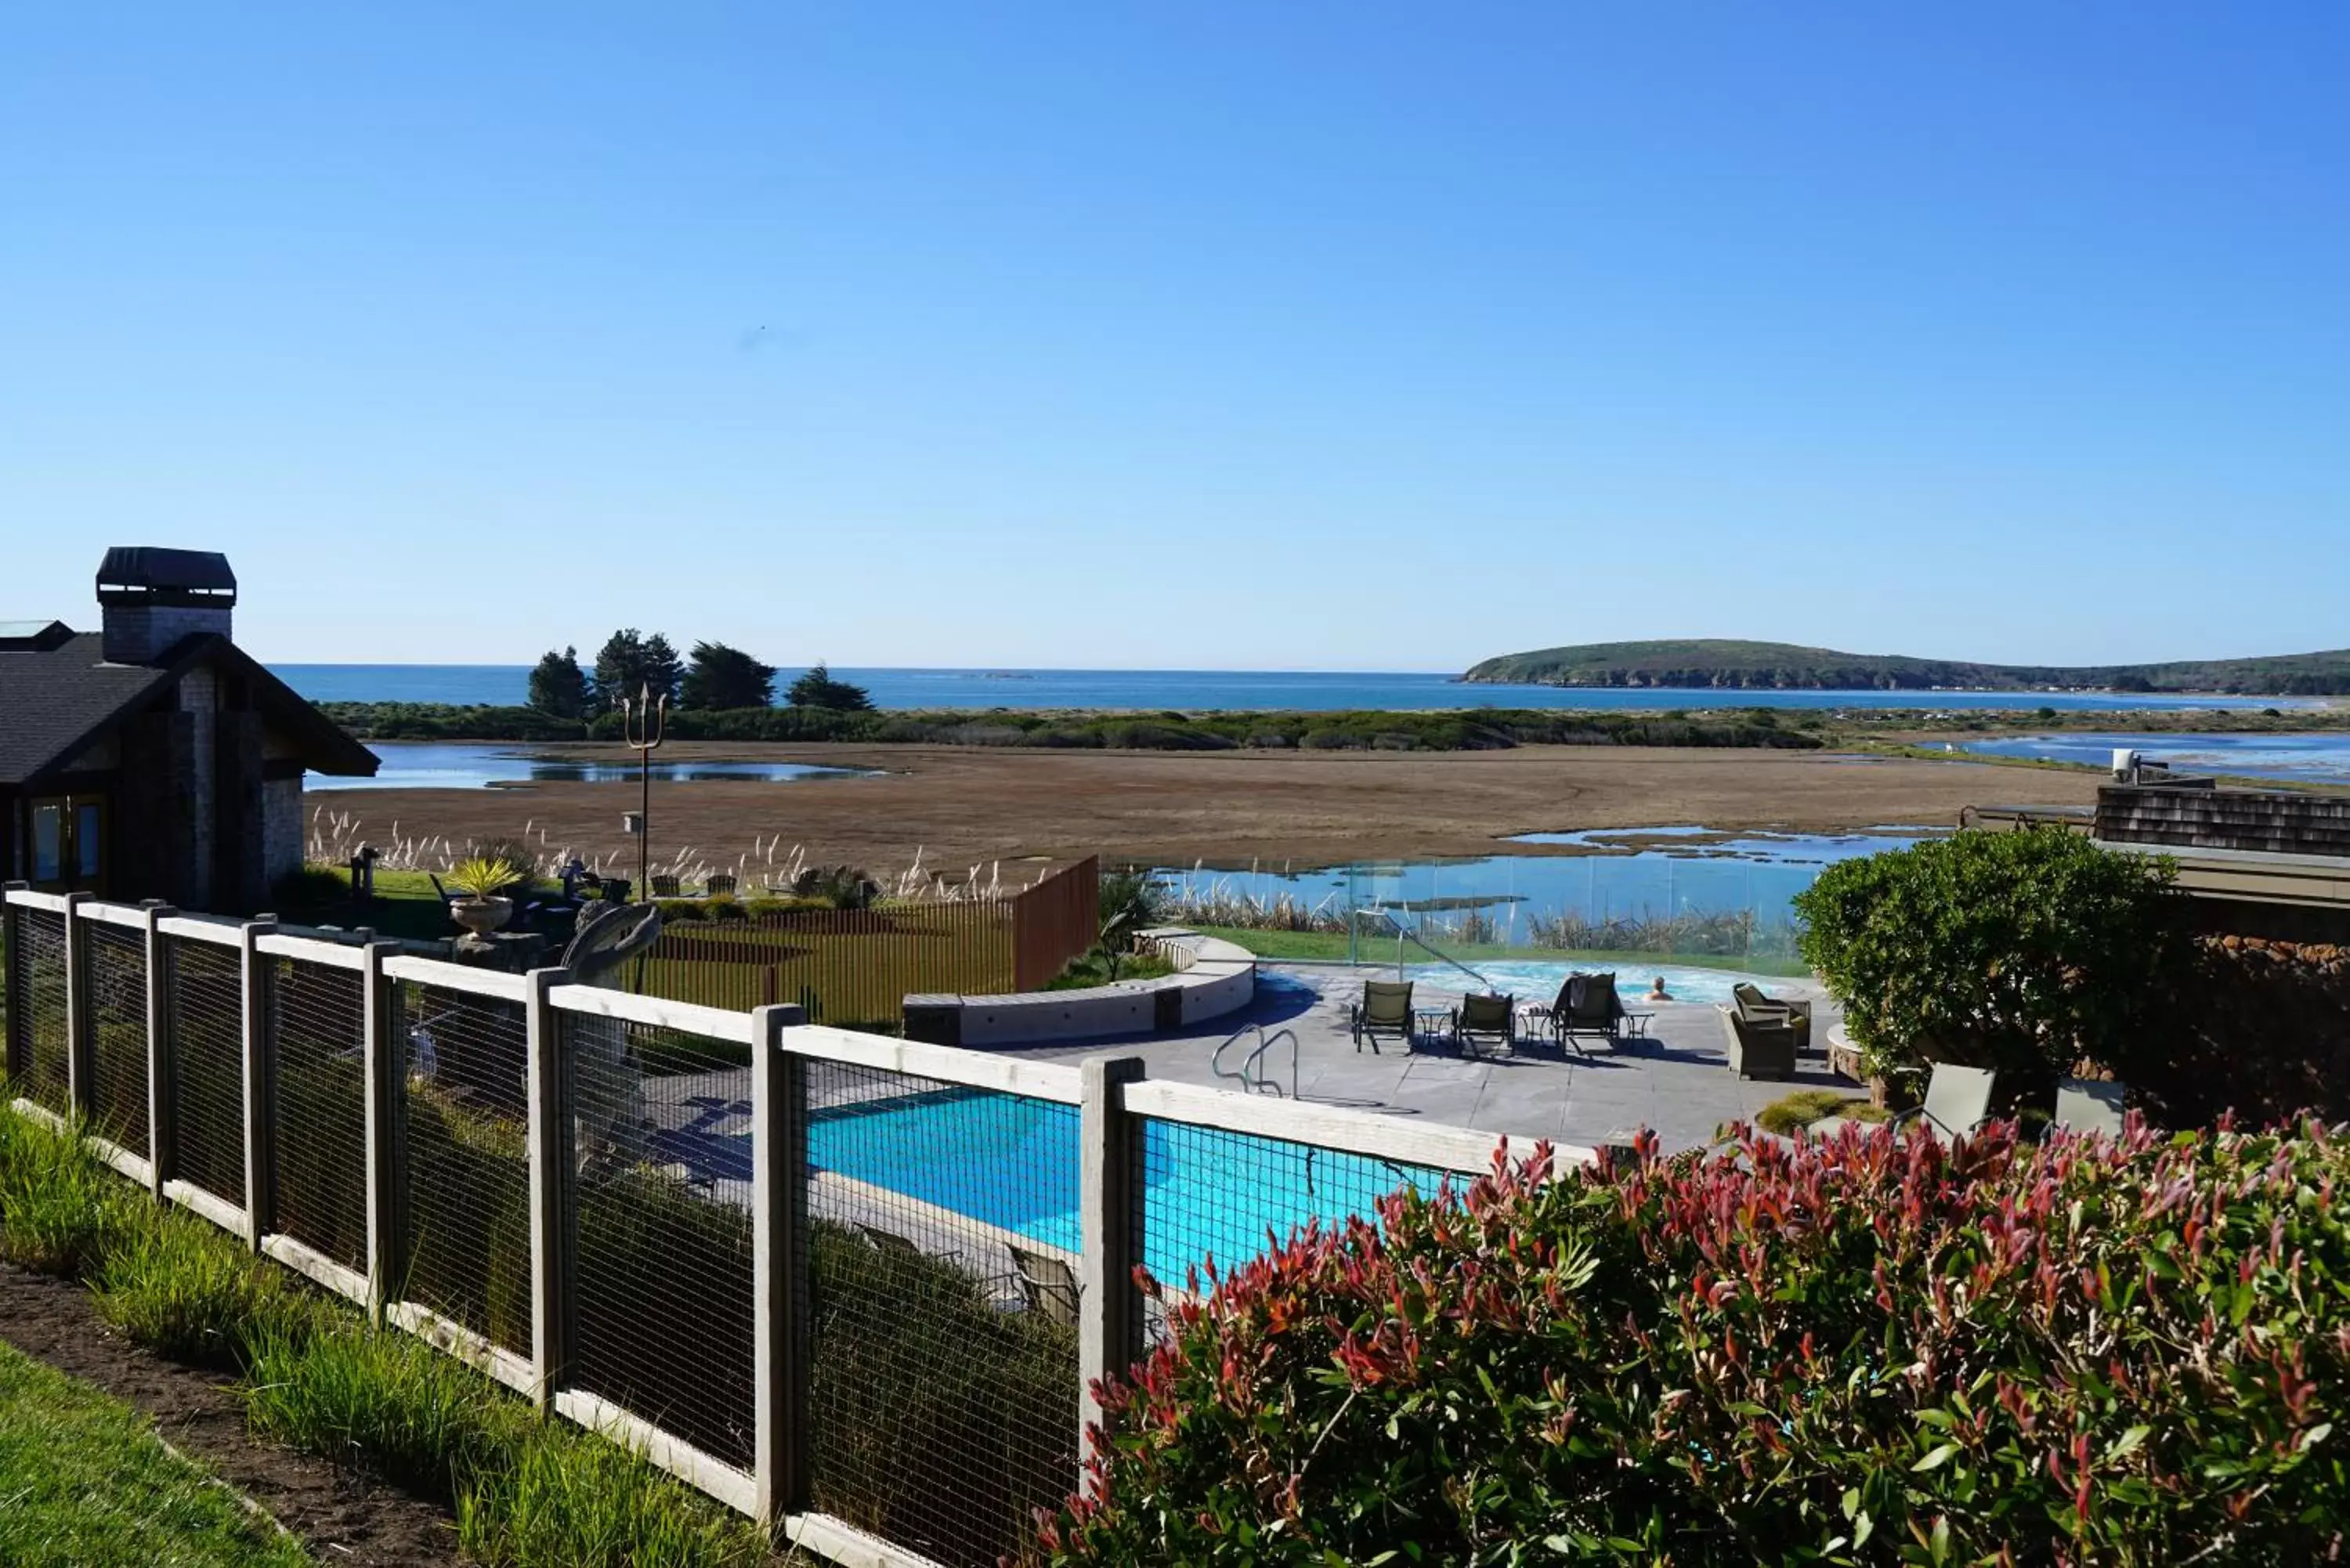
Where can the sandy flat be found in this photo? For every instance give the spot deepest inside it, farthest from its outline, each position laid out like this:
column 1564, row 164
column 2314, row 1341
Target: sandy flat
column 962, row 805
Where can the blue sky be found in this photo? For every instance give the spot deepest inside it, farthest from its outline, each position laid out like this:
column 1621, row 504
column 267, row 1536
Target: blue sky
column 1299, row 336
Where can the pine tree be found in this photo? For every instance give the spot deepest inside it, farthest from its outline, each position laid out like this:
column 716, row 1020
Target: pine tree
column 620, row 670
column 662, row 668
column 559, row 686
column 721, row 677
column 817, row 689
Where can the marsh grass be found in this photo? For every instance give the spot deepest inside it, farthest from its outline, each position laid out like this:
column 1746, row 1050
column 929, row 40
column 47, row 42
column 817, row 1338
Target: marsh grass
column 61, row 1210
column 172, row 1286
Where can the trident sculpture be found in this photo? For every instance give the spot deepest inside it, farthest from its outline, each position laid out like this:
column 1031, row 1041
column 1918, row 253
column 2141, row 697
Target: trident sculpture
column 644, row 723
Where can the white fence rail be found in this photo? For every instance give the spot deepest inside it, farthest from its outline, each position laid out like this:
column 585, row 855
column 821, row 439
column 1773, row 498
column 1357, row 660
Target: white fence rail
column 856, row 1287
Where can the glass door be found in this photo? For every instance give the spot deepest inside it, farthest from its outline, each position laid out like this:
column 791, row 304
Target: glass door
column 69, row 843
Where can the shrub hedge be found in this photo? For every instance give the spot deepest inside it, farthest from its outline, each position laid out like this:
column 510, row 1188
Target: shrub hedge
column 1871, row 1350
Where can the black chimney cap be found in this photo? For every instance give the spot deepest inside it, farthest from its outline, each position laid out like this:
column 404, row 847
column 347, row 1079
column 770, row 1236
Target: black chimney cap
column 149, row 571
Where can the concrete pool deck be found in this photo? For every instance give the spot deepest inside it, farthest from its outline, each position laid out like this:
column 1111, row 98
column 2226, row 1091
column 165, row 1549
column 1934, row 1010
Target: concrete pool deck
column 1678, row 1082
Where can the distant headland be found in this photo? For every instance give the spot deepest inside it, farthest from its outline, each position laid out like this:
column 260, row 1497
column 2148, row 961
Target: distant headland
column 1778, row 666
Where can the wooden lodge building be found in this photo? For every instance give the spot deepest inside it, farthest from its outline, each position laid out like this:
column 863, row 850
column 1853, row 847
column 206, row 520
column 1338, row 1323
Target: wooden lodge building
column 154, row 758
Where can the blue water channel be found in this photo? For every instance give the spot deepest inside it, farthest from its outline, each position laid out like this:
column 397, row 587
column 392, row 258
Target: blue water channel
column 2312, row 757
column 456, row 764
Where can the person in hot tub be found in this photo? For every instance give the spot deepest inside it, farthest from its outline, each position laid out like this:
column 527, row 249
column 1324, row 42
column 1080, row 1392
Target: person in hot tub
column 1658, row 993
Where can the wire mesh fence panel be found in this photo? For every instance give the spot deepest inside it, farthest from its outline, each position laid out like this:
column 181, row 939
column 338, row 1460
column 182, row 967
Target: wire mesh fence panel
column 1210, row 1200
column 118, row 1046
column 659, row 1218
column 40, row 981
column 318, row 1078
column 207, row 1013
column 465, row 1162
column 940, row 1272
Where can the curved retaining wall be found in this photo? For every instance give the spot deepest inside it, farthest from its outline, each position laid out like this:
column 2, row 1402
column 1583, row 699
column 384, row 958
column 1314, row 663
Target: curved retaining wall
column 1220, row 978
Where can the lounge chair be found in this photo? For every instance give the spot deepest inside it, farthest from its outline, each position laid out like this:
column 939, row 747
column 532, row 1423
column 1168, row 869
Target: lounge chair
column 1757, row 1008
column 1484, row 1017
column 720, row 885
column 2086, row 1105
column 1048, row 1283
column 1385, row 1009
column 1589, row 1006
column 666, row 888
column 1761, row 1045
column 1957, row 1101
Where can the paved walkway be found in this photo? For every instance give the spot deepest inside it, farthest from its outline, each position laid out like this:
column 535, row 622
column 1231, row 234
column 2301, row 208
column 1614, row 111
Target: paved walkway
column 1678, row 1082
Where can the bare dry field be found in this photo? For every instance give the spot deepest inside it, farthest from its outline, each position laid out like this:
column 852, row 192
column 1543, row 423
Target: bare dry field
column 963, row 805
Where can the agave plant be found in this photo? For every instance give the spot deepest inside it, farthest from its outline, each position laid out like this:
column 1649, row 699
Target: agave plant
column 483, row 875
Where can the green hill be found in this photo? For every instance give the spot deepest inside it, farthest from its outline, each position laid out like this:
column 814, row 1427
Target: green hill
column 1717, row 662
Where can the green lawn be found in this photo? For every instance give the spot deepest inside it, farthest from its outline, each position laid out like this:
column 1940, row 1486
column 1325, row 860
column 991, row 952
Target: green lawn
column 1374, row 950
column 85, row 1483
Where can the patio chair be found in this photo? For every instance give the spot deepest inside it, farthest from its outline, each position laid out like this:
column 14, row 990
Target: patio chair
column 1957, row 1101
column 1589, row 1006
column 720, row 885
column 1761, row 1045
column 1485, row 1017
column 666, row 888
column 2086, row 1105
column 1757, row 1008
column 1046, row 1280
column 1385, row 1009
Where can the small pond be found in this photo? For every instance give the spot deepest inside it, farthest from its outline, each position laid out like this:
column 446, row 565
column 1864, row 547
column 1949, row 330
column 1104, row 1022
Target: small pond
column 457, row 764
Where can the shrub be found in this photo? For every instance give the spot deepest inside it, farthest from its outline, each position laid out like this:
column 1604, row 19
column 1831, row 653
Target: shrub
column 311, row 888
column 1805, row 1106
column 1873, row 1349
column 2020, row 951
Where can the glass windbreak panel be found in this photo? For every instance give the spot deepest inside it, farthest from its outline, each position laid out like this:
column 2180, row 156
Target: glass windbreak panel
column 48, row 843
column 87, row 838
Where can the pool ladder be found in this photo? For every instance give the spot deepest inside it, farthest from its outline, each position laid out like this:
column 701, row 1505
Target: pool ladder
column 1252, row 1072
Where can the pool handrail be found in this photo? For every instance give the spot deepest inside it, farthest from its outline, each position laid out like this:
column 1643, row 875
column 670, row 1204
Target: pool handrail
column 1408, row 934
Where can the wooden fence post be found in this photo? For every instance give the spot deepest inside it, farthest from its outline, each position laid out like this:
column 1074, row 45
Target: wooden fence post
column 550, row 1258
column 779, row 1217
column 162, row 1105
column 1109, row 1311
column 16, row 1047
column 80, row 1026
column 386, row 1080
column 253, row 976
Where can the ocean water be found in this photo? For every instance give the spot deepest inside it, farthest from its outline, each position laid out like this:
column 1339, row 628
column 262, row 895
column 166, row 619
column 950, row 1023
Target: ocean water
column 1195, row 689
column 2308, row 758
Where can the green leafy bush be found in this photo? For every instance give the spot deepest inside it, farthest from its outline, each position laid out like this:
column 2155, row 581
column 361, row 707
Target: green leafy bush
column 1870, row 1350
column 2020, row 951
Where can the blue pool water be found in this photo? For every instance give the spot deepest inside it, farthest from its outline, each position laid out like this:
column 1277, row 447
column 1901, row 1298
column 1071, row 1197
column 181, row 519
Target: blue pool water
column 2314, row 757
column 454, row 765
column 1318, row 690
column 1535, row 981
column 1012, row 1163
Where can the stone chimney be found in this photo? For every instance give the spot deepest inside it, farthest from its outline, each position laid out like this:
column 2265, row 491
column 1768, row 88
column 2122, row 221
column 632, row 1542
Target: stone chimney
column 154, row 599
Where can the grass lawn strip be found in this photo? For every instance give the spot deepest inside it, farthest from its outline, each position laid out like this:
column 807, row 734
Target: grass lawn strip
column 86, row 1483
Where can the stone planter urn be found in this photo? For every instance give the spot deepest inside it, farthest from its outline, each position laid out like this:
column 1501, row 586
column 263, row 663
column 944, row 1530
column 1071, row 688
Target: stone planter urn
column 481, row 916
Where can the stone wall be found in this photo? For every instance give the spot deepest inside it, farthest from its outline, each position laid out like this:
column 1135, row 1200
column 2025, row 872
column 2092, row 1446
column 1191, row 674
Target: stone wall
column 2258, row 1026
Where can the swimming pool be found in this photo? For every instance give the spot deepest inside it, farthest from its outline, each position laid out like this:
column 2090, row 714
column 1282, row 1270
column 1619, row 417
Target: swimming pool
column 1538, row 981
column 1010, row 1162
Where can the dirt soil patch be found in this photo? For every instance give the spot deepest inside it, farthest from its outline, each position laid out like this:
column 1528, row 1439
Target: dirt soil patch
column 963, row 805
column 343, row 1517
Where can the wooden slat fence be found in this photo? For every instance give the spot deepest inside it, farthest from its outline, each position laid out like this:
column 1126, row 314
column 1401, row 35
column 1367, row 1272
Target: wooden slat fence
column 853, row 968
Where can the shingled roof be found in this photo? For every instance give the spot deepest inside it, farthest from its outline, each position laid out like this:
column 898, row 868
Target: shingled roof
column 59, row 702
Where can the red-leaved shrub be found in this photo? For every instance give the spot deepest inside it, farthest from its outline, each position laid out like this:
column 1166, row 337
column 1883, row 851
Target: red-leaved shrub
column 1871, row 1350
